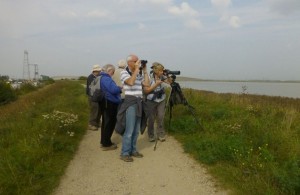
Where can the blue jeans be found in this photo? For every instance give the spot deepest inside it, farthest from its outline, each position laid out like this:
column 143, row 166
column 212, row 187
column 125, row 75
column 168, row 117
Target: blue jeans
column 133, row 125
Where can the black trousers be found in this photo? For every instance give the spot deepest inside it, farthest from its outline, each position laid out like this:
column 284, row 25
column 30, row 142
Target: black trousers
column 95, row 113
column 109, row 119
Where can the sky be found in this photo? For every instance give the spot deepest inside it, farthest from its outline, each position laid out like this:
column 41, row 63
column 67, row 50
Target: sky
column 206, row 39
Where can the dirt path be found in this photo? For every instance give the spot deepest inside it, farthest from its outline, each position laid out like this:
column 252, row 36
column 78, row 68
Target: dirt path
column 165, row 171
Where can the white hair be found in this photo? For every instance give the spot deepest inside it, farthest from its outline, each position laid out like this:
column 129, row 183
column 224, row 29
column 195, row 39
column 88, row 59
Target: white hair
column 106, row 68
column 122, row 63
column 129, row 58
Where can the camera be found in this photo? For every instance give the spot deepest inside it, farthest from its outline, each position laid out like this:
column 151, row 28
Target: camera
column 143, row 63
column 168, row 72
column 163, row 77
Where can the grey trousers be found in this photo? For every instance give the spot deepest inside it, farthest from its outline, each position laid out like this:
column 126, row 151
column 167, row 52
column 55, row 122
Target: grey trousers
column 157, row 112
column 95, row 113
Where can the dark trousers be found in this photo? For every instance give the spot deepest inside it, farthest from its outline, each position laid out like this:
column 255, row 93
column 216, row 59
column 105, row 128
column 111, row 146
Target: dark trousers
column 95, row 113
column 109, row 119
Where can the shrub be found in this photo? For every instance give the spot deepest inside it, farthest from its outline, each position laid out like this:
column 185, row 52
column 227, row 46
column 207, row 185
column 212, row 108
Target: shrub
column 7, row 94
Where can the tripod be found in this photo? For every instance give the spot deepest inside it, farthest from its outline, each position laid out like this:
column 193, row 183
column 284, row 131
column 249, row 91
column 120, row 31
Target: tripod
column 176, row 97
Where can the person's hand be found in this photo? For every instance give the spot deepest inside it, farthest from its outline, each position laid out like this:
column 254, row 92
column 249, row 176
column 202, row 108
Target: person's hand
column 137, row 66
column 158, row 81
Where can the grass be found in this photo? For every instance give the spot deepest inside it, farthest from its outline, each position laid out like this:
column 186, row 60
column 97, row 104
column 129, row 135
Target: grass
column 39, row 133
column 250, row 143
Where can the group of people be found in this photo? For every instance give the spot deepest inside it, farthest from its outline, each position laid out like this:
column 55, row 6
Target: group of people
column 133, row 100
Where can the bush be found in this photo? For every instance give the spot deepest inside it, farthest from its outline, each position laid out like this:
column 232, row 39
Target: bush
column 7, row 94
column 26, row 88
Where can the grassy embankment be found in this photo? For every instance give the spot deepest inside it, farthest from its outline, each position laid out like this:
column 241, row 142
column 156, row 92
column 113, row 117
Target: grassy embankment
column 39, row 134
column 250, row 143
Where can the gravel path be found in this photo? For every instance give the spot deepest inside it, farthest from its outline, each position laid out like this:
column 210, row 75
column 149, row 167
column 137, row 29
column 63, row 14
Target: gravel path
column 168, row 170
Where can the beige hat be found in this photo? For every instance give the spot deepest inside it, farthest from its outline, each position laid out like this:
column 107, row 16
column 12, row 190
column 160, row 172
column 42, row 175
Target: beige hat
column 96, row 67
column 122, row 63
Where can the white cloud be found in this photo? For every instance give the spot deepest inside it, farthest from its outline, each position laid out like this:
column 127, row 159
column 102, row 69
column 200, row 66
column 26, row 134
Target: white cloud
column 183, row 10
column 235, row 21
column 221, row 3
column 68, row 14
column 189, row 15
column 193, row 23
column 98, row 14
column 164, row 2
column 285, row 7
column 222, row 7
column 141, row 26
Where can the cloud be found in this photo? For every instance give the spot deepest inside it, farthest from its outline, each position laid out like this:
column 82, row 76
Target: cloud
column 284, row 7
column 235, row 21
column 164, row 2
column 221, row 3
column 183, row 10
column 186, row 12
column 159, row 2
column 98, row 14
column 141, row 26
column 193, row 23
column 68, row 14
column 223, row 6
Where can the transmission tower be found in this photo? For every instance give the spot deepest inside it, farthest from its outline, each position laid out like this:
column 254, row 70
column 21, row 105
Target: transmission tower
column 26, row 69
column 36, row 72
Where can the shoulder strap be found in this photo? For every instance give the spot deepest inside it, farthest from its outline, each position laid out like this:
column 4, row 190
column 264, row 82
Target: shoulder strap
column 128, row 71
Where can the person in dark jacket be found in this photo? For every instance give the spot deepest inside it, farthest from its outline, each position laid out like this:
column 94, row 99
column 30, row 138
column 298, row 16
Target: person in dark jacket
column 109, row 106
column 95, row 111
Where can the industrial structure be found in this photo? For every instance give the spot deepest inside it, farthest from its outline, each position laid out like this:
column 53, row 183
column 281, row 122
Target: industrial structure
column 26, row 69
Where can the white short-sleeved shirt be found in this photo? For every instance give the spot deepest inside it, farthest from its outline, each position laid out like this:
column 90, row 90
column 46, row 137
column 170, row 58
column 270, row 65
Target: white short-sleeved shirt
column 134, row 90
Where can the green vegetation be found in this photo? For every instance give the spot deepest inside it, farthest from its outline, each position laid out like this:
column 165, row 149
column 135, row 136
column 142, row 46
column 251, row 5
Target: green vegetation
column 250, row 143
column 7, row 94
column 39, row 134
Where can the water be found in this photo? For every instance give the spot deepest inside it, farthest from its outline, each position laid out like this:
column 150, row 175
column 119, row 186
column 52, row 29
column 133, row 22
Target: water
column 259, row 88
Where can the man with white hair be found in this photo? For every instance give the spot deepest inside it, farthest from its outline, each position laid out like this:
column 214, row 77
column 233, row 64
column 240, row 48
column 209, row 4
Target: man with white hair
column 95, row 111
column 109, row 106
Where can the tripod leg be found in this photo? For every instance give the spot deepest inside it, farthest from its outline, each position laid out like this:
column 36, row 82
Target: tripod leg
column 192, row 111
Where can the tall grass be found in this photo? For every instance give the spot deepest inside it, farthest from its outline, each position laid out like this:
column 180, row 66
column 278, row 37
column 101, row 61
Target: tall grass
column 251, row 143
column 39, row 134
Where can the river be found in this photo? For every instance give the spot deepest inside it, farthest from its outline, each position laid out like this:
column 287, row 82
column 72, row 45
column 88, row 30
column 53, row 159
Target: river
column 283, row 89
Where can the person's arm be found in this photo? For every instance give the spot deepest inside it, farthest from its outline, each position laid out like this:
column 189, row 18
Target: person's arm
column 148, row 89
column 113, row 88
column 131, row 80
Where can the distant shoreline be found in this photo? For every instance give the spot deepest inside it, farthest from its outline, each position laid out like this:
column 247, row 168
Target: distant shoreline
column 182, row 78
column 256, row 81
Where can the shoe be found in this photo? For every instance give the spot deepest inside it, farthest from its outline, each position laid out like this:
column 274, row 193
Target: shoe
column 112, row 147
column 137, row 155
column 93, row 128
column 126, row 158
column 162, row 139
column 151, row 139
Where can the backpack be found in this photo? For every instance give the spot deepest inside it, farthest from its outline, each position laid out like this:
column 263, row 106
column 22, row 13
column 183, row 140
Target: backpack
column 96, row 93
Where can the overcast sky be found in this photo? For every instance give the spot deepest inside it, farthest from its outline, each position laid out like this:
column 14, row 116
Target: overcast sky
column 207, row 39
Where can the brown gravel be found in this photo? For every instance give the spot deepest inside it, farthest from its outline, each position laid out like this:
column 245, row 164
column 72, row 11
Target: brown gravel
column 168, row 170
